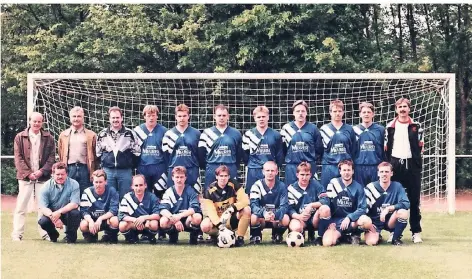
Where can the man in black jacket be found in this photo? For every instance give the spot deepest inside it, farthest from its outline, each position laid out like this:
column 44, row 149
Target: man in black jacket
column 403, row 148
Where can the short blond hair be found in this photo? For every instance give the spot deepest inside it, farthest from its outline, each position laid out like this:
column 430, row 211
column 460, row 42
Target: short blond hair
column 402, row 100
column 150, row 109
column 179, row 170
column 182, row 107
column 260, row 109
column 336, row 103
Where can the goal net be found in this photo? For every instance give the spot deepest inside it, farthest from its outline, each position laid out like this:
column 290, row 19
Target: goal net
column 431, row 95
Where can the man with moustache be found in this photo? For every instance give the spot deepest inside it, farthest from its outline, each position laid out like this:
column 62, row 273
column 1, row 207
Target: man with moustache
column 302, row 142
column 59, row 202
column 118, row 149
column 404, row 147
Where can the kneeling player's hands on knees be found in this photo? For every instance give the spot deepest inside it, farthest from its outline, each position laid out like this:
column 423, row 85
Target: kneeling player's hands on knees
column 179, row 226
column 345, row 223
column 58, row 224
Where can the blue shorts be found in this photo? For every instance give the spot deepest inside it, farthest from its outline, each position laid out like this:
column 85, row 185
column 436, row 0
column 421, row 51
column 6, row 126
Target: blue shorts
column 379, row 226
column 338, row 221
column 193, row 178
column 365, row 174
column 210, row 175
column 156, row 177
column 328, row 172
column 252, row 175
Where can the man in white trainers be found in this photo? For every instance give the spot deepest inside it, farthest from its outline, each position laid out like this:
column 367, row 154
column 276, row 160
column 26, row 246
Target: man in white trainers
column 404, row 147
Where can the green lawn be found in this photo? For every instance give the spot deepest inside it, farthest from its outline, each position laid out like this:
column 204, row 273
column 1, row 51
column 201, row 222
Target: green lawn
column 446, row 253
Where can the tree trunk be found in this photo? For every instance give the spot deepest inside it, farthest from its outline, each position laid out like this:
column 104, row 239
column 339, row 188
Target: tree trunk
column 376, row 28
column 431, row 42
column 411, row 26
column 400, row 32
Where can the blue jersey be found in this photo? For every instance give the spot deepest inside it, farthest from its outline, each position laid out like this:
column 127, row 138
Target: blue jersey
column 151, row 144
column 181, row 149
column 220, row 148
column 131, row 206
column 378, row 198
column 339, row 144
column 97, row 205
column 346, row 200
column 369, row 144
column 259, row 149
column 262, row 198
column 301, row 145
column 175, row 204
column 298, row 197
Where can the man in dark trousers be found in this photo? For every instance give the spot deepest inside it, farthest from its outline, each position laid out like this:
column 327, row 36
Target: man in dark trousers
column 403, row 148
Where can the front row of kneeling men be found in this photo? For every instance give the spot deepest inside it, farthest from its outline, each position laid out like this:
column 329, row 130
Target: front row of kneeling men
column 345, row 208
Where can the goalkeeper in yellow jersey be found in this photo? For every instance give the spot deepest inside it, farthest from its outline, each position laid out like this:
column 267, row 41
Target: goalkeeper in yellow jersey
column 226, row 206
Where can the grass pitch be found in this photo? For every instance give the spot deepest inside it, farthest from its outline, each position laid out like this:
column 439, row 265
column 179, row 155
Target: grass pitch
column 445, row 253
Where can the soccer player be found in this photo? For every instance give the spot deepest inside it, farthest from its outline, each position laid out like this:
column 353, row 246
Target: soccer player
column 388, row 206
column 180, row 209
column 220, row 145
column 269, row 205
column 404, row 148
column 139, row 212
column 339, row 142
column 347, row 206
column 118, row 149
column 226, row 205
column 308, row 203
column 152, row 163
column 58, row 202
column 261, row 144
column 302, row 142
column 99, row 208
column 369, row 146
column 180, row 146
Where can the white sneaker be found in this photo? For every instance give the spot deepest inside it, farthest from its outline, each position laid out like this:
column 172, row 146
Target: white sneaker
column 416, row 238
column 16, row 238
column 46, row 237
column 390, row 238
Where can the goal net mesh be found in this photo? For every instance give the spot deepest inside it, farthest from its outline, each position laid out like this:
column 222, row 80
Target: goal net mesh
column 429, row 105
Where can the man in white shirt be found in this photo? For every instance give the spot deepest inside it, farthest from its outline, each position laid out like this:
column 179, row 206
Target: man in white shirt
column 404, row 147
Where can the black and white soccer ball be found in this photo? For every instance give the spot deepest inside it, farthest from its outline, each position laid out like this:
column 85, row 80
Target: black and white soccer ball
column 226, row 238
column 295, row 239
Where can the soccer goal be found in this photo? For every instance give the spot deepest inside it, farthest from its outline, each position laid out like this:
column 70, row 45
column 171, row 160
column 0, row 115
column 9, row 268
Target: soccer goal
column 432, row 97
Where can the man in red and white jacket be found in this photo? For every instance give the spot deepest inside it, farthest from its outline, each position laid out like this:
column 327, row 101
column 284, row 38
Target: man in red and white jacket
column 404, row 147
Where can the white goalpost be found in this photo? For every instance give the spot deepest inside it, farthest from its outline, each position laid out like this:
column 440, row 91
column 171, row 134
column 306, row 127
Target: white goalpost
column 432, row 97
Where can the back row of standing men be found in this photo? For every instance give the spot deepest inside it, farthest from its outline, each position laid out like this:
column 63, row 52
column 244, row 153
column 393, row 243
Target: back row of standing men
column 155, row 150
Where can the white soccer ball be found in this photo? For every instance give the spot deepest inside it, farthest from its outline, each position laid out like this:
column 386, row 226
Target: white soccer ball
column 226, row 238
column 295, row 239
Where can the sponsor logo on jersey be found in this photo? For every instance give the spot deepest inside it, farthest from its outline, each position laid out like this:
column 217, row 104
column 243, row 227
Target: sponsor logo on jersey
column 97, row 213
column 183, row 151
column 300, row 146
column 338, row 148
column 151, row 150
column 222, row 151
column 368, row 146
column 263, row 149
column 344, row 202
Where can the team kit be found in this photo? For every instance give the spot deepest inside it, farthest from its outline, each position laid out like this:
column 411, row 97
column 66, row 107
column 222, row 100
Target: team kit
column 370, row 179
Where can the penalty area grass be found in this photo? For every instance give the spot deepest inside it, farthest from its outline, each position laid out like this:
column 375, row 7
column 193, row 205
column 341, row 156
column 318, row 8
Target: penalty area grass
column 445, row 253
